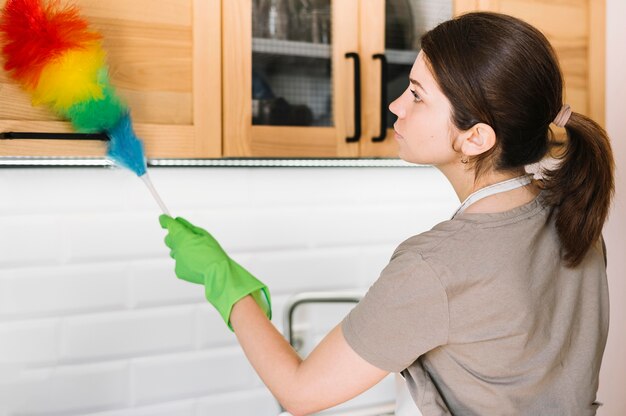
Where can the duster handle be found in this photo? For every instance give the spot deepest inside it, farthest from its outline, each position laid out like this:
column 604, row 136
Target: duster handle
column 146, row 179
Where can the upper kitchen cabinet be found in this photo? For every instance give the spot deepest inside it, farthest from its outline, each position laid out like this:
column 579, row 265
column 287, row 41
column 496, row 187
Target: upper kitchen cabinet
column 576, row 30
column 165, row 61
column 283, row 78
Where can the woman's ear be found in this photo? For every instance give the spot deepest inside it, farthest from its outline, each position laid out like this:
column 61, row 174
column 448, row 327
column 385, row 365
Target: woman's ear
column 477, row 140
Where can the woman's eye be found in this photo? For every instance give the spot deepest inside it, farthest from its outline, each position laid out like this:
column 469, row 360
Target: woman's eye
column 416, row 97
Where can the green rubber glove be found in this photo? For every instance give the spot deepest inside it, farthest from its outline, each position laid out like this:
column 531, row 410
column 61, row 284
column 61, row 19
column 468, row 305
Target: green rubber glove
column 200, row 259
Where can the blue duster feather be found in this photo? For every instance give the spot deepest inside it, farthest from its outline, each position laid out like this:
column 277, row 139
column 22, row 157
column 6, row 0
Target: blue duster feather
column 125, row 148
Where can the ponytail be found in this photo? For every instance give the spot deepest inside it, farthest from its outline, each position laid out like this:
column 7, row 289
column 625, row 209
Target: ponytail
column 580, row 188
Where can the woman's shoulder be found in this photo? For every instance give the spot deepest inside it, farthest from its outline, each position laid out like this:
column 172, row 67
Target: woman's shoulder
column 434, row 239
column 465, row 228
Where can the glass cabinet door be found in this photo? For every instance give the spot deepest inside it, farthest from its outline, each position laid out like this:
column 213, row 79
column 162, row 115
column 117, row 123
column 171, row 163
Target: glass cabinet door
column 291, row 63
column 398, row 44
column 285, row 77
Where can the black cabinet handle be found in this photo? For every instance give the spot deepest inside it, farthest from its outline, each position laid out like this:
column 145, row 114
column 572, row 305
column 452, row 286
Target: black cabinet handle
column 383, row 97
column 357, row 97
column 8, row 135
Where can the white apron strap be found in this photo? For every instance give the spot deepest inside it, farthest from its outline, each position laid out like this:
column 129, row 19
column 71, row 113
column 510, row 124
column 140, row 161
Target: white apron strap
column 496, row 188
column 405, row 406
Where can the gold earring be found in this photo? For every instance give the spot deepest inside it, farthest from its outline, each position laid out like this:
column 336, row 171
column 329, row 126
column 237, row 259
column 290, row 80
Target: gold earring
column 464, row 160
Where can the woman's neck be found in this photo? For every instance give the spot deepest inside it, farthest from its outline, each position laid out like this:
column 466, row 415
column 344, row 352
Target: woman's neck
column 462, row 180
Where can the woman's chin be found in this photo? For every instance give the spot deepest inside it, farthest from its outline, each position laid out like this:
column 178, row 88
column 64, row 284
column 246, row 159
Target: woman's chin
column 410, row 159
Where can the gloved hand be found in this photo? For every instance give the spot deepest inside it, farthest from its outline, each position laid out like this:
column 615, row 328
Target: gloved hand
column 200, row 259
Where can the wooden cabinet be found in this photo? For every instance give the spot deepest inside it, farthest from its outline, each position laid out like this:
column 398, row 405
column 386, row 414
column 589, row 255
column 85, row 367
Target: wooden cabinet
column 186, row 68
column 165, row 61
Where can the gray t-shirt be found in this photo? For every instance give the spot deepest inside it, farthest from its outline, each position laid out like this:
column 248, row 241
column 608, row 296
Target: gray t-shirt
column 481, row 317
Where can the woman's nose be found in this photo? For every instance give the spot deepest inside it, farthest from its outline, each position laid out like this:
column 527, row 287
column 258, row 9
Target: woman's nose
column 396, row 107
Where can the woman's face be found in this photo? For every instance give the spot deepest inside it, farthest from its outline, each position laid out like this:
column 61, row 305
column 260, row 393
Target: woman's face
column 424, row 130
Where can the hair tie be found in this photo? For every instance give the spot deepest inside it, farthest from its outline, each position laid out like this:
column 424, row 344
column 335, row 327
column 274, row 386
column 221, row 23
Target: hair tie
column 562, row 118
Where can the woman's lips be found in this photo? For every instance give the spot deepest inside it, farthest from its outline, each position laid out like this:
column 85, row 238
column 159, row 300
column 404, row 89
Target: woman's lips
column 396, row 134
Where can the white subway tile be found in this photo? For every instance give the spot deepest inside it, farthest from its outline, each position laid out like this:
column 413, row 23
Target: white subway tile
column 69, row 389
column 371, row 261
column 253, row 228
column 191, row 189
column 259, row 402
column 31, row 240
column 96, row 237
column 130, row 333
column 178, row 376
column 62, row 289
column 211, row 330
column 28, row 343
column 305, row 270
column 308, row 186
column 345, row 225
column 313, row 186
column 54, row 191
column 154, row 282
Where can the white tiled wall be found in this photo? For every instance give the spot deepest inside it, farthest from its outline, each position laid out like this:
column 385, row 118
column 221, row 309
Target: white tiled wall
column 93, row 320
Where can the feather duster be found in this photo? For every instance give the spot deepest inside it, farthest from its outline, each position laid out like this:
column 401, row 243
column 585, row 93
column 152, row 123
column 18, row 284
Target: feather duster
column 51, row 51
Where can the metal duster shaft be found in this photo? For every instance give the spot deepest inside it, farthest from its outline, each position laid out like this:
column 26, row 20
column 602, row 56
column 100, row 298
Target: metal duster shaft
column 146, row 179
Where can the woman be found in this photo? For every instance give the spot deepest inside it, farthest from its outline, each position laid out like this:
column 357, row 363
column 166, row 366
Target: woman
column 501, row 310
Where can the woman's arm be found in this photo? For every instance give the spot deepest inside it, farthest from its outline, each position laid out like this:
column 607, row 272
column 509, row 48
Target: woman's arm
column 331, row 374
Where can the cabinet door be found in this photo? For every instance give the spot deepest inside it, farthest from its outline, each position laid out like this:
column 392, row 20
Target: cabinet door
column 391, row 28
column 288, row 85
column 575, row 28
column 164, row 60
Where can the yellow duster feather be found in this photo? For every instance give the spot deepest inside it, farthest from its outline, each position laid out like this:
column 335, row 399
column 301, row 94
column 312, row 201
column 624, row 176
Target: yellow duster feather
column 71, row 78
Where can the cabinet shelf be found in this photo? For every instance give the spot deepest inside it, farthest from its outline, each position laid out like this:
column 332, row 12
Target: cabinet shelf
column 320, row 50
column 291, row 48
column 400, row 57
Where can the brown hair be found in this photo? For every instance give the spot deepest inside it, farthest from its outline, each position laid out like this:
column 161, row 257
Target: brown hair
column 499, row 70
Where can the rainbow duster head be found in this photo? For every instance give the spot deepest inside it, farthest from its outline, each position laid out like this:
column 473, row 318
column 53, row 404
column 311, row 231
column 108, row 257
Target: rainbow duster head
column 50, row 50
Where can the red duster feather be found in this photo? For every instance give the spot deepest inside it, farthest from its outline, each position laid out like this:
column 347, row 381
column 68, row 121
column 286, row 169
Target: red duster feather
column 34, row 34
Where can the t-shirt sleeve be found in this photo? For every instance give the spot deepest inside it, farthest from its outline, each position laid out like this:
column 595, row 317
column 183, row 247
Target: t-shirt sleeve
column 403, row 315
